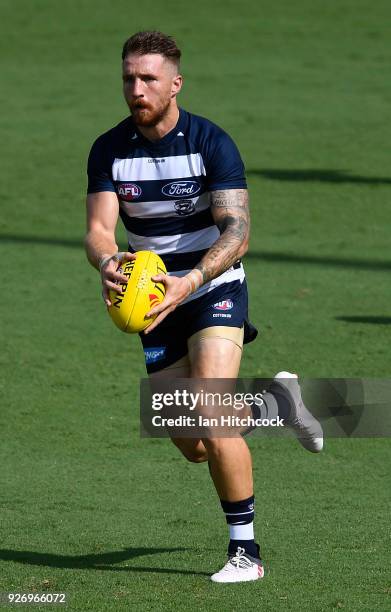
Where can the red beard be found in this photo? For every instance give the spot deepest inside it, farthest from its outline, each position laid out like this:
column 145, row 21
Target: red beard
column 147, row 116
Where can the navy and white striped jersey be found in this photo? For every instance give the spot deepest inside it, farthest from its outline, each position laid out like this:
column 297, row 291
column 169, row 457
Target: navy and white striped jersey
column 164, row 187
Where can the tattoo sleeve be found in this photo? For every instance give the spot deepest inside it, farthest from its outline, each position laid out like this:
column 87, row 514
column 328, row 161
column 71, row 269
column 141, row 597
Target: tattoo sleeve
column 231, row 215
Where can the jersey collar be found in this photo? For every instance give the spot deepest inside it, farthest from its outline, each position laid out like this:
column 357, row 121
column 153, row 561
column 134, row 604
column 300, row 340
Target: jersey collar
column 168, row 139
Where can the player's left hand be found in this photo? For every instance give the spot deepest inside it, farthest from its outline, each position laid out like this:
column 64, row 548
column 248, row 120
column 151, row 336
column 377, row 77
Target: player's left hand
column 177, row 290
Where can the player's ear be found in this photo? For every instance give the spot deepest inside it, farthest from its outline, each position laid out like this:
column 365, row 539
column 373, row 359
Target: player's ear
column 176, row 85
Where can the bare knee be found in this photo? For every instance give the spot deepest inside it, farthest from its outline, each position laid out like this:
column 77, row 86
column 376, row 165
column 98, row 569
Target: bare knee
column 219, row 446
column 193, row 450
column 213, row 445
column 193, row 458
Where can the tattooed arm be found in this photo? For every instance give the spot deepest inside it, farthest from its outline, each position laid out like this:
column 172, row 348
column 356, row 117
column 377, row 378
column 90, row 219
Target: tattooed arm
column 230, row 212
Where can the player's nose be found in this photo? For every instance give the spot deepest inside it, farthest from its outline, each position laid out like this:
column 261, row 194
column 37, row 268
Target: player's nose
column 137, row 88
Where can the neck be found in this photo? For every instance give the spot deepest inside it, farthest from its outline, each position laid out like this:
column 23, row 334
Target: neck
column 164, row 126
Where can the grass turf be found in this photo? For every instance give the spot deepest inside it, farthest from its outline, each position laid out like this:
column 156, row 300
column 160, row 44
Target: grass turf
column 89, row 508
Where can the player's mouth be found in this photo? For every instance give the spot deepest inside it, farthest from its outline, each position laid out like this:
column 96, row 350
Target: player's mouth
column 139, row 106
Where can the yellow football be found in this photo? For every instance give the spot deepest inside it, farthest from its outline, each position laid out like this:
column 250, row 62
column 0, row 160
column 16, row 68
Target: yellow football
column 139, row 294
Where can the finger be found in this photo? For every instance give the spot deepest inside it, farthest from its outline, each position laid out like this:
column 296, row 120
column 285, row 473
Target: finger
column 116, row 260
column 117, row 276
column 160, row 278
column 113, row 286
column 125, row 256
column 129, row 256
column 158, row 320
column 159, row 308
column 105, row 296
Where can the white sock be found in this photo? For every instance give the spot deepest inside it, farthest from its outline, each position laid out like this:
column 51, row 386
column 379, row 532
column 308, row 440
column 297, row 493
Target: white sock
column 242, row 532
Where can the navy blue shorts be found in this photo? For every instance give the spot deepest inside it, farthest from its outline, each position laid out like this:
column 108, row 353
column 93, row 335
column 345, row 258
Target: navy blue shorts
column 225, row 305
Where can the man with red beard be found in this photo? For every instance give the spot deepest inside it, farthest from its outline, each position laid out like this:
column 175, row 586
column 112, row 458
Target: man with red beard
column 177, row 181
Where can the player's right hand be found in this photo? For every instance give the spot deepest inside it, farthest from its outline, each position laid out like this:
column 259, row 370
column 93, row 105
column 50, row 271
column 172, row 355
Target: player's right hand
column 112, row 278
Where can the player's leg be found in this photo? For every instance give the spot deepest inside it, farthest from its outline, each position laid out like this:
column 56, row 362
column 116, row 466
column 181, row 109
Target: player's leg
column 216, row 353
column 191, row 448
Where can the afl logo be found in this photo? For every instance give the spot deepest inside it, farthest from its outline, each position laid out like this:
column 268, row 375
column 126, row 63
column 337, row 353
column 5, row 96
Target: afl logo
column 181, row 188
column 224, row 305
column 129, row 191
column 184, row 207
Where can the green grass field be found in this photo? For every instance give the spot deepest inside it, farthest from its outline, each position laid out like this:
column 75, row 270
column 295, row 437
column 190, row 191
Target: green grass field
column 87, row 507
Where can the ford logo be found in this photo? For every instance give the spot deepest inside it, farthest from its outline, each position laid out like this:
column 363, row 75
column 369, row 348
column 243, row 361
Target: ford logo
column 179, row 189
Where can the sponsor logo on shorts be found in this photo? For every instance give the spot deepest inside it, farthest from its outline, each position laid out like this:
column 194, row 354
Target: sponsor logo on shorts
column 223, row 305
column 154, row 354
column 222, row 315
column 184, row 207
column 129, row 191
column 177, row 189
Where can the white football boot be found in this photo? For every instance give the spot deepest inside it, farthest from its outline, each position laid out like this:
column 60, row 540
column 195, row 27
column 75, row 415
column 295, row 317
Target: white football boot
column 240, row 568
column 307, row 429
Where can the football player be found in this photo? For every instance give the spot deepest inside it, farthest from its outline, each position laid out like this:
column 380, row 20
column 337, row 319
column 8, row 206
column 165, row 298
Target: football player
column 178, row 183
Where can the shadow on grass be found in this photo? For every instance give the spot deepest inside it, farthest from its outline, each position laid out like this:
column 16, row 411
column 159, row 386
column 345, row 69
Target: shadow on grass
column 320, row 176
column 319, row 260
column 273, row 257
column 42, row 240
column 373, row 320
column 101, row 561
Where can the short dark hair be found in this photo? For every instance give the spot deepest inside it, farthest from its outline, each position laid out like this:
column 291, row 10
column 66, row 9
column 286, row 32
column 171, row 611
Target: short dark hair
column 152, row 41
